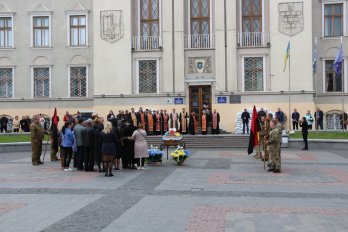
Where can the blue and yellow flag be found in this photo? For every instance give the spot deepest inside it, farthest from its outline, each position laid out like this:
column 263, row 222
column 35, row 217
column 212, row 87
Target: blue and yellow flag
column 287, row 55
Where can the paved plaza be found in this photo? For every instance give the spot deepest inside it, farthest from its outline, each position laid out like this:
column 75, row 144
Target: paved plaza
column 214, row 191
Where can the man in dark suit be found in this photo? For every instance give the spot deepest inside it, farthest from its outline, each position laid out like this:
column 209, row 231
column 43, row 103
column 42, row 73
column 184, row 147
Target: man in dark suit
column 245, row 118
column 319, row 117
column 295, row 118
column 304, row 125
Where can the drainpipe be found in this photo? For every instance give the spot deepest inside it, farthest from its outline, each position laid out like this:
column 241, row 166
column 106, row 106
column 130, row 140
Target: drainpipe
column 173, row 45
column 225, row 25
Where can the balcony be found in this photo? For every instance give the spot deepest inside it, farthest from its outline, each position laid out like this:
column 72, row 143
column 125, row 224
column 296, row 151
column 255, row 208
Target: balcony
column 204, row 41
column 146, row 43
column 253, row 39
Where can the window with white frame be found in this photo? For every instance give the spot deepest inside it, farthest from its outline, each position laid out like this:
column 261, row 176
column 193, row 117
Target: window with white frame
column 333, row 19
column 41, row 81
column 41, row 31
column 252, row 15
column 6, row 32
column 78, row 81
column 6, row 82
column 253, row 73
column 149, row 24
column 333, row 81
column 78, row 30
column 148, row 76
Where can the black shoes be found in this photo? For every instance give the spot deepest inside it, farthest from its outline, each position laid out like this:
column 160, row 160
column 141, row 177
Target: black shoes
column 263, row 159
column 109, row 174
column 276, row 171
column 305, row 148
column 39, row 162
column 270, row 170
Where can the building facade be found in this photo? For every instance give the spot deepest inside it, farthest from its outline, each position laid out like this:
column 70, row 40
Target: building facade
column 165, row 54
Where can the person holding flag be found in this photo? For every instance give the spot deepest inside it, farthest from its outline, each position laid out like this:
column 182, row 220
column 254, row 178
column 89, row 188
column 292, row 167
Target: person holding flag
column 254, row 132
column 54, row 136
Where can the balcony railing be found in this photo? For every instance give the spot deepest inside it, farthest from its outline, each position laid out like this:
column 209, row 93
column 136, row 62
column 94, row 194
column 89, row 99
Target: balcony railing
column 253, row 39
column 199, row 41
column 147, row 42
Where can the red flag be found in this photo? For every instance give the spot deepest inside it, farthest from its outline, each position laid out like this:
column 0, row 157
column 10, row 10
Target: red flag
column 255, row 128
column 55, row 117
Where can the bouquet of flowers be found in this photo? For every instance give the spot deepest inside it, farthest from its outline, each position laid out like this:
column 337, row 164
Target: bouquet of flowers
column 155, row 155
column 180, row 155
column 172, row 134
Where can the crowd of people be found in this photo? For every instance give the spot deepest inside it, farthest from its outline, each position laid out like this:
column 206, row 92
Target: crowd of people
column 102, row 145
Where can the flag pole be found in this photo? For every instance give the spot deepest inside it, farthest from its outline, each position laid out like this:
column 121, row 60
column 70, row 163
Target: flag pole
column 342, row 95
column 289, row 85
column 315, row 75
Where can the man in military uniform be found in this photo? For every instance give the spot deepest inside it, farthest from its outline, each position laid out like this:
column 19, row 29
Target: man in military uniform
column 273, row 143
column 266, row 135
column 262, row 138
column 37, row 135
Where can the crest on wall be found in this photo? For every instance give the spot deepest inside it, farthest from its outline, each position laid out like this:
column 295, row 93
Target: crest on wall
column 111, row 25
column 291, row 19
column 199, row 65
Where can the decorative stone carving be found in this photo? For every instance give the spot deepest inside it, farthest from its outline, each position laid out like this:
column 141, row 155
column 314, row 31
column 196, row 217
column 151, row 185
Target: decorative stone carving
column 291, row 20
column 199, row 65
column 111, row 25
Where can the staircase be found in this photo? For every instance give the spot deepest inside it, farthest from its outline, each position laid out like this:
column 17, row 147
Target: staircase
column 207, row 141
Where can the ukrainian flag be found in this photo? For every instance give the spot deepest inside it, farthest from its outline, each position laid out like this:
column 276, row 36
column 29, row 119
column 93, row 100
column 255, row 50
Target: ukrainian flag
column 287, row 55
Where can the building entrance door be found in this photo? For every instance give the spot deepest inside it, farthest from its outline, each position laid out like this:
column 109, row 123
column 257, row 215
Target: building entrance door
column 200, row 96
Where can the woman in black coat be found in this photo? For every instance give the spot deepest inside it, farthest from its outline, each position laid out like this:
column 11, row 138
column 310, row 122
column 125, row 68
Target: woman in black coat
column 98, row 128
column 108, row 147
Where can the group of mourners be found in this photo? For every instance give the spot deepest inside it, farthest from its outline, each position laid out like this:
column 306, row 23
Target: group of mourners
column 102, row 145
column 158, row 122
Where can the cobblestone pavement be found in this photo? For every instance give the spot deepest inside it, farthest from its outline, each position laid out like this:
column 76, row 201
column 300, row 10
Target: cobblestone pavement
column 215, row 190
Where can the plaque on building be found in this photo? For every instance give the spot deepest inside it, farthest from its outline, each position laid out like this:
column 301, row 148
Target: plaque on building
column 291, row 20
column 235, row 99
column 179, row 101
column 111, row 25
column 199, row 65
column 221, row 99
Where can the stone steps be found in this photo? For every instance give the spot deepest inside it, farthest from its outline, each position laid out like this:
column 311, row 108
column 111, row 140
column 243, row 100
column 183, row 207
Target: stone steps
column 207, row 141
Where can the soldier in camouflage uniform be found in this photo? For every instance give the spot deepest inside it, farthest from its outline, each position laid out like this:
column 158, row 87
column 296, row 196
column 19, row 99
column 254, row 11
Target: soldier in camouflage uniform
column 266, row 136
column 262, row 138
column 37, row 135
column 273, row 143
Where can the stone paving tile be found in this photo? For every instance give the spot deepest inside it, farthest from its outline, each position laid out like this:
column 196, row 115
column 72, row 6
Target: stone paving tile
column 35, row 212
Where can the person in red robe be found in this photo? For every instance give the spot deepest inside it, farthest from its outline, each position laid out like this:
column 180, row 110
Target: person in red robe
column 183, row 121
column 158, row 122
column 215, row 130
column 204, row 123
column 165, row 122
column 150, row 123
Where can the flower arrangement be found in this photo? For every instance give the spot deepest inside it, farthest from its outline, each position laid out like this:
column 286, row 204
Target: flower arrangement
column 155, row 155
column 172, row 134
column 180, row 155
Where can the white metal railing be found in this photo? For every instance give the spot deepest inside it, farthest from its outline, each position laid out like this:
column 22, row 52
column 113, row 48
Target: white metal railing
column 253, row 39
column 146, row 42
column 198, row 41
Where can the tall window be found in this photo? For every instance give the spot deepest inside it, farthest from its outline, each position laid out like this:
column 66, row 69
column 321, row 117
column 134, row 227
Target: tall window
column 41, row 78
column 333, row 82
column 148, row 76
column 78, row 30
column 200, row 17
column 252, row 15
column 6, row 32
column 78, row 81
column 253, row 74
column 41, row 31
column 333, row 19
column 149, row 18
column 6, row 82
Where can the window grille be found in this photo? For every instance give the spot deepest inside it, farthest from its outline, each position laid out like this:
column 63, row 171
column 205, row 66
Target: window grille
column 78, row 81
column 41, row 82
column 253, row 74
column 148, row 76
column 6, row 32
column 333, row 121
column 6, row 82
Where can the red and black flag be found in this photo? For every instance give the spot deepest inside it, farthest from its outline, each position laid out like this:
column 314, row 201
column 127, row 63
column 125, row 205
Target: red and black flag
column 54, row 130
column 254, row 132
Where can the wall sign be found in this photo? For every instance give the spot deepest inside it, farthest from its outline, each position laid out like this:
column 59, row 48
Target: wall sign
column 221, row 100
column 179, row 101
